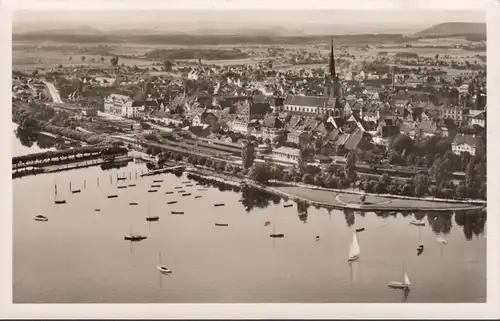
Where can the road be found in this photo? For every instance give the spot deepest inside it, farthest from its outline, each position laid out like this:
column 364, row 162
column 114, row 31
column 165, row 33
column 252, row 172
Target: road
column 54, row 93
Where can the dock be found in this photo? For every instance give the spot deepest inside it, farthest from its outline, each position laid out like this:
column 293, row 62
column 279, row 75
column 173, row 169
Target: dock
column 164, row 170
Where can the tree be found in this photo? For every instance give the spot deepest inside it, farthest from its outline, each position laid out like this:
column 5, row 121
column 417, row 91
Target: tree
column 308, row 179
column 260, row 173
column 421, row 184
column 440, row 170
column 228, row 168
column 402, row 143
column 114, row 61
column 167, row 65
column 248, row 154
column 350, row 166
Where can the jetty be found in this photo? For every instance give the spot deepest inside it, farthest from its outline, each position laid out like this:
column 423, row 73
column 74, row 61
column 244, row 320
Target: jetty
column 164, row 170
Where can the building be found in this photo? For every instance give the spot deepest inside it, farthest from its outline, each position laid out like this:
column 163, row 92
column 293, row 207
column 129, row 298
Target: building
column 457, row 114
column 328, row 104
column 121, row 105
column 286, row 154
column 479, row 120
column 464, row 143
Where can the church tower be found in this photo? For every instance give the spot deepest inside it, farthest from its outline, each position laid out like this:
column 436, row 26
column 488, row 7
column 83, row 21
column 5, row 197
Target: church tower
column 332, row 84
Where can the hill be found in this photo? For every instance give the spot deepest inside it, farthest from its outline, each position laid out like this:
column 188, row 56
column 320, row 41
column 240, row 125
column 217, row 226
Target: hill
column 449, row 29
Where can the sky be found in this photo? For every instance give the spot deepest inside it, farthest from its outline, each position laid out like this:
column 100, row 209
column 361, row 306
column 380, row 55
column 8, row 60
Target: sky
column 310, row 21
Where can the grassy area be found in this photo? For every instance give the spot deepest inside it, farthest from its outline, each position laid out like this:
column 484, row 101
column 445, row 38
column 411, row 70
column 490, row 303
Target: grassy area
column 371, row 203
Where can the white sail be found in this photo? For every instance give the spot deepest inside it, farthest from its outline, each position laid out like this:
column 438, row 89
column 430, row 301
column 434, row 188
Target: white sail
column 354, row 249
column 406, row 280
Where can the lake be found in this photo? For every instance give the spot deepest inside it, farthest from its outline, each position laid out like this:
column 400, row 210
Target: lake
column 80, row 255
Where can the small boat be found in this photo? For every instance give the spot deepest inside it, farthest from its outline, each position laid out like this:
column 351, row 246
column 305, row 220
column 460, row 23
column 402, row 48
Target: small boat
column 420, row 249
column 288, row 205
column 181, row 191
column 361, row 229
column 405, row 284
column 158, row 181
column 76, row 191
column 186, row 182
column 155, row 186
column 131, row 185
column 152, row 191
column 121, row 178
column 123, row 186
column 134, row 237
column 162, row 268
column 198, row 196
column 171, row 202
column 112, row 196
column 354, row 249
column 97, row 210
column 277, row 235
column 40, row 218
column 241, row 200
column 133, row 203
column 178, row 187
column 317, row 238
column 189, row 185
column 186, row 194
column 174, row 212
column 418, row 222
column 221, row 224
column 202, row 189
column 220, row 204
column 152, row 218
column 60, row 202
column 267, row 223
column 169, row 192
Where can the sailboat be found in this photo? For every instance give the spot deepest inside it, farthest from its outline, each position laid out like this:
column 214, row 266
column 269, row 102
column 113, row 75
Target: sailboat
column 56, row 201
column 134, row 237
column 354, row 249
column 276, row 235
column 150, row 218
column 405, row 284
column 162, row 268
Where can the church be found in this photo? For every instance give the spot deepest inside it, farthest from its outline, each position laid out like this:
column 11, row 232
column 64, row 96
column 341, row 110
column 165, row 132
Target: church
column 329, row 104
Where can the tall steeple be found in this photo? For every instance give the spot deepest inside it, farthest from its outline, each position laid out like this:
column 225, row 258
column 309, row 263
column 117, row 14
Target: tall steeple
column 333, row 74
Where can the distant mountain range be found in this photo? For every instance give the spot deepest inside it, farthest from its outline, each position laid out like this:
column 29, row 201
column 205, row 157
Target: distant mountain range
column 477, row 30
column 453, row 29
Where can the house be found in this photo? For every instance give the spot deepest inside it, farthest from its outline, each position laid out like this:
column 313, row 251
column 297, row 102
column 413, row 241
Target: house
column 458, row 114
column 293, row 136
column 238, row 127
column 121, row 105
column 479, row 120
column 464, row 143
column 312, row 106
column 286, row 154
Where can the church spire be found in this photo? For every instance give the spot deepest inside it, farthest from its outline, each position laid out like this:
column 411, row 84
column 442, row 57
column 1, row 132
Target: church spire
column 333, row 74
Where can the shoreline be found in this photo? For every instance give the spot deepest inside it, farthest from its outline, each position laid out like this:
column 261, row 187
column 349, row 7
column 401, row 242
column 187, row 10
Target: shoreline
column 385, row 203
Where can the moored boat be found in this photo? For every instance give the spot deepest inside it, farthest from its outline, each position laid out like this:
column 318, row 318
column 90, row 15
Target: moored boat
column 133, row 203
column 171, row 202
column 175, row 212
column 112, row 196
column 134, row 237
column 40, row 218
column 152, row 218
column 219, row 204
column 155, row 186
column 76, row 191
column 221, row 224
column 288, row 205
column 152, row 191
column 405, row 284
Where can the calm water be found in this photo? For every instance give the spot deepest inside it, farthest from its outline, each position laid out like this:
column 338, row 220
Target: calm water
column 80, row 256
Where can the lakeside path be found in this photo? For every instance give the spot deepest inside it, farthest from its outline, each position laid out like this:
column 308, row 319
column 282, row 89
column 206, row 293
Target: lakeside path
column 372, row 203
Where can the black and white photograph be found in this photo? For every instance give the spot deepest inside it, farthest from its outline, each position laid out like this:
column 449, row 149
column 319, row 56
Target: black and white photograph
column 249, row 156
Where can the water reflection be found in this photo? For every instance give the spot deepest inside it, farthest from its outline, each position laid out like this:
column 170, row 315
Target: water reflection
column 472, row 222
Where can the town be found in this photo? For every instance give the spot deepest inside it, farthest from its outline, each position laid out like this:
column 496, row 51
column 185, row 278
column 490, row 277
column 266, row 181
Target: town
column 338, row 116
